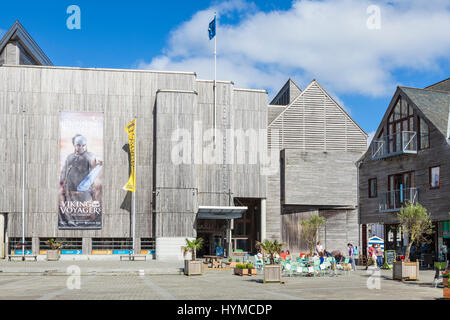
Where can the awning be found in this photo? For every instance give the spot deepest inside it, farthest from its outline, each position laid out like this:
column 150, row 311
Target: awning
column 211, row 212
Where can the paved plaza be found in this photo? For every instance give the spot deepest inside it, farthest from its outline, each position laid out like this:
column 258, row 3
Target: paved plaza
column 162, row 280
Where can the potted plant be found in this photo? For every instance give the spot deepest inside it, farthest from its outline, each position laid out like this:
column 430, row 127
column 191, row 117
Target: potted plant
column 241, row 269
column 53, row 253
column 417, row 224
column 251, row 270
column 272, row 271
column 445, row 275
column 193, row 266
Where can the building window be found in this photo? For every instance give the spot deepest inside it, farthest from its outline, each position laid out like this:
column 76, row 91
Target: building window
column 424, row 134
column 373, row 188
column 401, row 119
column 434, row 175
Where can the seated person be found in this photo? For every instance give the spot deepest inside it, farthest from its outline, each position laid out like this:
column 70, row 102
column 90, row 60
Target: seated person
column 288, row 255
column 283, row 255
column 321, row 257
column 259, row 255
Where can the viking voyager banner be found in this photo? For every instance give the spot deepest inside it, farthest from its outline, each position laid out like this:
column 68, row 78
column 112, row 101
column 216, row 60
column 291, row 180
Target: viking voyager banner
column 81, row 170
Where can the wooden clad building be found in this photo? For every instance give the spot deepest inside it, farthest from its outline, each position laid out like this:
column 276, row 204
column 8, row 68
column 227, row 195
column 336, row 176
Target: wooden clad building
column 319, row 145
column 174, row 201
column 408, row 160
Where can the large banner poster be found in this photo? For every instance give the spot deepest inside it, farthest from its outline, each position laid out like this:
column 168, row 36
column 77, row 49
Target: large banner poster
column 81, row 174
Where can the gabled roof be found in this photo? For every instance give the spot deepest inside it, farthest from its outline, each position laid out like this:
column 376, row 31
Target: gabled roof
column 433, row 104
column 18, row 33
column 443, row 85
column 315, row 82
column 294, row 91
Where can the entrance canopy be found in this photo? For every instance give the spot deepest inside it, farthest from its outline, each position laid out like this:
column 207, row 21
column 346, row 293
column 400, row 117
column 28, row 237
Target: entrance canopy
column 227, row 213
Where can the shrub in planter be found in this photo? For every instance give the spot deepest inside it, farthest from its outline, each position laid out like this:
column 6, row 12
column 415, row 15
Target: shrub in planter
column 445, row 276
column 53, row 253
column 251, row 270
column 417, row 224
column 192, row 267
column 241, row 269
column 272, row 271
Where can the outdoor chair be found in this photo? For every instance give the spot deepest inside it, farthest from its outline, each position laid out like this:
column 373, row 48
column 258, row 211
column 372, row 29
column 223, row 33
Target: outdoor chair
column 317, row 267
column 259, row 264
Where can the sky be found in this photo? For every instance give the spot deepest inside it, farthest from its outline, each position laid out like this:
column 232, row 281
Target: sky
column 358, row 50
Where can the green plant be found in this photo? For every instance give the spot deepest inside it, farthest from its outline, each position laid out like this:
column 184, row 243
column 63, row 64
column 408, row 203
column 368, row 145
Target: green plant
column 271, row 248
column 54, row 244
column 237, row 260
column 250, row 266
column 230, row 259
column 310, row 228
column 417, row 223
column 241, row 266
column 446, row 274
column 192, row 246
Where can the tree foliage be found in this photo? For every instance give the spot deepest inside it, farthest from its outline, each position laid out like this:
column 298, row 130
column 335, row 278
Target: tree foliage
column 416, row 223
column 271, row 248
column 310, row 228
column 192, row 246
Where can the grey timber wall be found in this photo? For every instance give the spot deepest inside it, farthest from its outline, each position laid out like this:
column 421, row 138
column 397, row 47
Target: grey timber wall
column 45, row 91
column 175, row 185
column 316, row 135
column 341, row 227
column 320, row 178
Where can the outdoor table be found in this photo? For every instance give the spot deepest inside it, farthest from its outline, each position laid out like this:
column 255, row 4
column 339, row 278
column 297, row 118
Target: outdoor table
column 212, row 259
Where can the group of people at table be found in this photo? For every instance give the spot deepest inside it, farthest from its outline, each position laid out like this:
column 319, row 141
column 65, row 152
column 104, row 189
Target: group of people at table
column 321, row 254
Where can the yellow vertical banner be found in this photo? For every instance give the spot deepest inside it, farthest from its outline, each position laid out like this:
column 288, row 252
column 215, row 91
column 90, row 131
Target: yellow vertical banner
column 130, row 129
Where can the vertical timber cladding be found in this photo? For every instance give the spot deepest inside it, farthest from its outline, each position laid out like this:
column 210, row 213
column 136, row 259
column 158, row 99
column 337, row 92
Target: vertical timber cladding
column 341, row 227
column 43, row 92
column 175, row 187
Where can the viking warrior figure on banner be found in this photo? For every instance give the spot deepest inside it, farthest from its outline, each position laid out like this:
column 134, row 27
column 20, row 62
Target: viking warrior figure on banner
column 80, row 195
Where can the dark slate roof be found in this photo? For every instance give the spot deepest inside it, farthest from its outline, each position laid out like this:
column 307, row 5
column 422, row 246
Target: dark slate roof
column 433, row 104
column 443, row 85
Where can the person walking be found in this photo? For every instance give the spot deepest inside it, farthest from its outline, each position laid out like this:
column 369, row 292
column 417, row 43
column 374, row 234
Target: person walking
column 355, row 253
column 351, row 254
column 379, row 254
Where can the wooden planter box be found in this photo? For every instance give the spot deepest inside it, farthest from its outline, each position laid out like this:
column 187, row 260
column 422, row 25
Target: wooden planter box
column 240, row 272
column 233, row 264
column 52, row 255
column 272, row 273
column 406, row 270
column 252, row 272
column 193, row 268
column 445, row 282
column 447, row 293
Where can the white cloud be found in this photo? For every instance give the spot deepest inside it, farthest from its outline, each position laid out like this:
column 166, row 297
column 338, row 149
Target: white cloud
column 370, row 137
column 326, row 40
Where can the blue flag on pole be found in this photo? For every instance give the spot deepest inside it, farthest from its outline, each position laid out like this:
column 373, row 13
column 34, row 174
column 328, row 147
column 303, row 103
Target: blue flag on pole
column 212, row 29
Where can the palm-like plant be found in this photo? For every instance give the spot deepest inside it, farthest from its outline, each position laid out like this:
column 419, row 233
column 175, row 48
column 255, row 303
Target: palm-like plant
column 54, row 244
column 271, row 248
column 192, row 246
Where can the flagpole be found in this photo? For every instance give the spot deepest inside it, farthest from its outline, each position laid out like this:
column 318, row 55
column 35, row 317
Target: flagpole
column 23, row 184
column 133, row 195
column 215, row 78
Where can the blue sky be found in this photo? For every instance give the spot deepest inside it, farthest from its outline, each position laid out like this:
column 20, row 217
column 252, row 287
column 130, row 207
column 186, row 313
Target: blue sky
column 260, row 44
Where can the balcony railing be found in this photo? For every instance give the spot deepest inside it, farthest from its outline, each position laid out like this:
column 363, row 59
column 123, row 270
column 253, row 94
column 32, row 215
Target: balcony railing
column 395, row 144
column 394, row 200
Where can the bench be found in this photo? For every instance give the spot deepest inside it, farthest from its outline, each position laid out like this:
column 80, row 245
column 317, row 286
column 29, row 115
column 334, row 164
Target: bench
column 131, row 257
column 11, row 256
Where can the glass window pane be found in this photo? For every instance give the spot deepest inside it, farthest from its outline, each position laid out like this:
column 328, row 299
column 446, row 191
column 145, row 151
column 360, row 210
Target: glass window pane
column 424, row 135
column 404, row 109
column 410, row 110
column 397, row 111
column 411, row 124
column 434, row 179
column 405, row 125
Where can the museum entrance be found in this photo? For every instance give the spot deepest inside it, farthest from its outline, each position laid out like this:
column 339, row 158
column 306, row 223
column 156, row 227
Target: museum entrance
column 247, row 230
column 213, row 233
